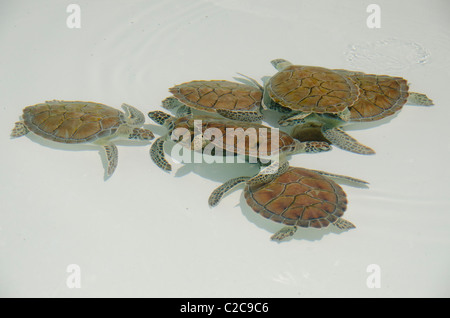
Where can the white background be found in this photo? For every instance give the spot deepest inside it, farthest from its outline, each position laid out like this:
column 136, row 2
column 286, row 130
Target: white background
column 147, row 233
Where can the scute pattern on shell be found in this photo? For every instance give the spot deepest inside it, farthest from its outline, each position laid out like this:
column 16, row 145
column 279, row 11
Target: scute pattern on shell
column 298, row 197
column 381, row 96
column 259, row 139
column 72, row 122
column 213, row 95
column 312, row 89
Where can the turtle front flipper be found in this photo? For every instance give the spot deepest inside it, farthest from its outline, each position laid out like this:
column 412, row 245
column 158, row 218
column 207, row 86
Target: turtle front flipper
column 160, row 118
column 294, row 119
column 342, row 140
column 141, row 134
column 134, row 116
column 285, row 232
column 341, row 177
column 157, row 154
column 112, row 158
column 19, row 130
column 269, row 173
column 220, row 191
column 280, row 64
column 247, row 116
column 419, row 99
column 311, row 146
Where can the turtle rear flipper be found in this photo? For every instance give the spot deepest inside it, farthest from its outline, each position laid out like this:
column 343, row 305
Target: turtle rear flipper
column 419, row 99
column 285, row 232
column 344, row 141
column 19, row 130
column 344, row 224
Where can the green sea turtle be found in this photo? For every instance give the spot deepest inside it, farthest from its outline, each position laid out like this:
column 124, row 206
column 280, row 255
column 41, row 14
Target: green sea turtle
column 77, row 122
column 232, row 100
column 334, row 98
column 296, row 197
column 381, row 96
column 230, row 137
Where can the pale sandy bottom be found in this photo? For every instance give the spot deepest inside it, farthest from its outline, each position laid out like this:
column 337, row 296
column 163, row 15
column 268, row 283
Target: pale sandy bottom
column 147, row 233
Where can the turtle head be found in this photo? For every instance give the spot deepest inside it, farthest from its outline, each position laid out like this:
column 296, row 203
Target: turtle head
column 280, row 64
column 161, row 118
column 133, row 115
column 170, row 103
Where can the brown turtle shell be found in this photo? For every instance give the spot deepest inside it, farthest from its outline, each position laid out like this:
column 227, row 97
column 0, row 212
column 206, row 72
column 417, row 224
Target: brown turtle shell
column 213, row 95
column 298, row 197
column 260, row 140
column 72, row 122
column 312, row 89
column 381, row 96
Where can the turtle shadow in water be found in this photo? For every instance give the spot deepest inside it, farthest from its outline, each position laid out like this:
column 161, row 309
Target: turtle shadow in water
column 157, row 130
column 218, row 172
column 308, row 234
column 369, row 125
column 380, row 122
column 271, row 117
column 376, row 123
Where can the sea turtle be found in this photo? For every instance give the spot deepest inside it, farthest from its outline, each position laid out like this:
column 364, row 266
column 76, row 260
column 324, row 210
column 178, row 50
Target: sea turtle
column 217, row 136
column 302, row 90
column 295, row 197
column 375, row 97
column 232, row 100
column 381, row 96
column 314, row 93
column 77, row 122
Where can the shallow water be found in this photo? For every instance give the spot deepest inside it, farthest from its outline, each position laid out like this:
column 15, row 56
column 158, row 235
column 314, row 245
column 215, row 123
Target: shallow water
column 148, row 233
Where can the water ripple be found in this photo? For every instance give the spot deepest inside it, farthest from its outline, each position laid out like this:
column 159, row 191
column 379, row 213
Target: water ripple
column 133, row 57
column 390, row 55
